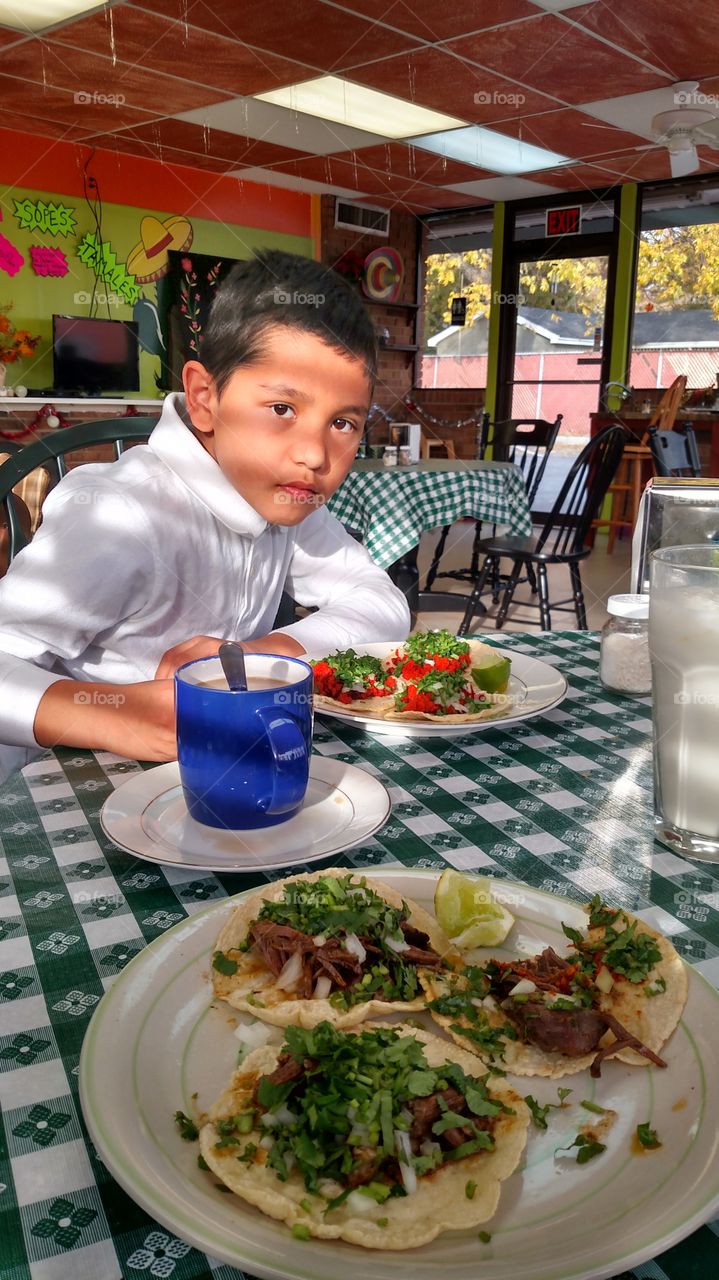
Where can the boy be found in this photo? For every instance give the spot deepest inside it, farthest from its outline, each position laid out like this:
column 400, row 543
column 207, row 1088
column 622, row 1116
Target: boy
column 153, row 560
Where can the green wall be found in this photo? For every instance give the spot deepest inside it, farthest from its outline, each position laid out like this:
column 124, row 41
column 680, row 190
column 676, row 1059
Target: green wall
column 35, row 298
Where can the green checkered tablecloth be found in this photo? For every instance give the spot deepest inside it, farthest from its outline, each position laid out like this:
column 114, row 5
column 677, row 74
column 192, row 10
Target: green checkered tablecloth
column 562, row 802
column 391, row 507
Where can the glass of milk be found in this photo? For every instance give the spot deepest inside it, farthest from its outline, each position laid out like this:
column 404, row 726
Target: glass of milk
column 684, row 650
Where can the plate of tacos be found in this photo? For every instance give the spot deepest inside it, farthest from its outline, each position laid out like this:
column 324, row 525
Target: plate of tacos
column 311, row 1079
column 434, row 682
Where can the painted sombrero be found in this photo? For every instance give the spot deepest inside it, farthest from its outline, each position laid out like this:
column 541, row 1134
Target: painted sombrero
column 383, row 272
column 148, row 260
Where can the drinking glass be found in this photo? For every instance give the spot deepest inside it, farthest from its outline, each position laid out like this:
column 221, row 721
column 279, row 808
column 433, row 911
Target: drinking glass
column 684, row 650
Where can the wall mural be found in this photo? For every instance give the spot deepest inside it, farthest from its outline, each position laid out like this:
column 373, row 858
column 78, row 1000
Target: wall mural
column 36, row 215
column 47, row 261
column 149, row 259
column 101, row 259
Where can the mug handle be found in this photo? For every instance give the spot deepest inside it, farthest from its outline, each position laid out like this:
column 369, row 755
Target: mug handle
column 289, row 753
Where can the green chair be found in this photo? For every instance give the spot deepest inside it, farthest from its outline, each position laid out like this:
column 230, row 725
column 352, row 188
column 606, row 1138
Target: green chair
column 49, row 454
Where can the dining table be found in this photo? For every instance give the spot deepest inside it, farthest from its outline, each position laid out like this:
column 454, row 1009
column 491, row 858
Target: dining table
column 389, row 508
column 561, row 802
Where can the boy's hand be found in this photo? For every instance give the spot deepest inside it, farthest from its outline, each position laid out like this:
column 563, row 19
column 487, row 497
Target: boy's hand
column 133, row 720
column 208, row 647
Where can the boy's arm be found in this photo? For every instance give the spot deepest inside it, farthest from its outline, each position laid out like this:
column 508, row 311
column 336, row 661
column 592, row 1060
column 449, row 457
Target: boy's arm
column 356, row 600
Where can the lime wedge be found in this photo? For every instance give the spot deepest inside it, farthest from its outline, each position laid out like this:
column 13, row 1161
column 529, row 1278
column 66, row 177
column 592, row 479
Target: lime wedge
column 492, row 673
column 467, row 912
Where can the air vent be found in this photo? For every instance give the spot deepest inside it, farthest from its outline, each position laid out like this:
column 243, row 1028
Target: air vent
column 362, row 217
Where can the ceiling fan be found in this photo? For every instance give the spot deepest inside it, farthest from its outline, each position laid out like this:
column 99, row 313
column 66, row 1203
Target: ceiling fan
column 689, row 123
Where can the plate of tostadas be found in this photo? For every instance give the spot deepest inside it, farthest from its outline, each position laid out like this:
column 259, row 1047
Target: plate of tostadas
column 433, row 683
column 611, row 1169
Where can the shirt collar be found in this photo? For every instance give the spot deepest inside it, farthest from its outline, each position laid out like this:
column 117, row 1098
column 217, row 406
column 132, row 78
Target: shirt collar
column 174, row 443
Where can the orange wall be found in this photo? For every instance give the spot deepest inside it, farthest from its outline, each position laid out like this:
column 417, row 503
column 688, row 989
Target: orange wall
column 46, row 164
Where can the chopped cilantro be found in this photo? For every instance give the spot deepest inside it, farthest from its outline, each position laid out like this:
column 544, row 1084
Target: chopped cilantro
column 382, row 1222
column 647, row 1136
column 539, row 1113
column 588, row 1148
column 187, row 1127
column 248, row 1154
column 656, row 987
column 301, row 1231
column 485, row 1237
column 305, row 1204
column 202, row 1164
column 600, row 914
column 223, row 964
column 430, row 644
column 469, row 1188
column 593, row 1106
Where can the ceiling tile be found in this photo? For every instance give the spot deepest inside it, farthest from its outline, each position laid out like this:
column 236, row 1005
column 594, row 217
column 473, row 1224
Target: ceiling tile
column 59, row 105
column 128, row 144
column 435, row 78
column 431, row 21
column 577, row 178
column 191, row 54
column 569, row 133
column 321, row 35
column 273, row 178
column 546, row 52
column 8, row 36
column 682, row 42
column 286, row 128
column 506, row 188
column 414, row 164
column 20, row 121
column 231, row 148
column 96, row 77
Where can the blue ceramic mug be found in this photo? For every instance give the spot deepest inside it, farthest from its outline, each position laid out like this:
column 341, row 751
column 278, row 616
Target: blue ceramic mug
column 244, row 757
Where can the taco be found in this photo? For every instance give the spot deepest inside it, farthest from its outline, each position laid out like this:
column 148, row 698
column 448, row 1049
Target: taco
column 383, row 1137
column 618, row 993
column 433, row 675
column 332, row 945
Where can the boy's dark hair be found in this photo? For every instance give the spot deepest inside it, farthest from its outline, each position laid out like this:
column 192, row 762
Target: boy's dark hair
column 275, row 288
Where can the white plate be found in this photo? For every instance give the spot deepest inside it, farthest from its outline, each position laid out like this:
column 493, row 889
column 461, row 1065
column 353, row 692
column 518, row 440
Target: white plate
column 535, row 686
column 147, row 815
column 156, row 1038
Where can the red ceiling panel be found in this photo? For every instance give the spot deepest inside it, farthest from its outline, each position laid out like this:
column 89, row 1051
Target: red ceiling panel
column 431, row 21
column 8, row 36
column 324, row 37
column 93, row 76
column 194, row 55
column 231, row 148
column 22, row 122
column 570, row 133
column 546, row 53
column 682, row 42
column 577, row 179
column 434, row 78
column 413, row 164
column 128, row 144
column 59, row 105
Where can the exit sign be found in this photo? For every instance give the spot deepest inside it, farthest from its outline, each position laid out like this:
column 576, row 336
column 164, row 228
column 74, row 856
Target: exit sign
column 564, row 222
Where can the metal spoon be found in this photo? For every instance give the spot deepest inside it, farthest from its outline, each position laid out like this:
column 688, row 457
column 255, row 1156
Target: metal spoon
column 233, row 664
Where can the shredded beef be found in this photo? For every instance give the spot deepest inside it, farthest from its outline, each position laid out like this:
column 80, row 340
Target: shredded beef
column 624, row 1040
column 572, row 1032
column 425, row 1111
column 367, row 1162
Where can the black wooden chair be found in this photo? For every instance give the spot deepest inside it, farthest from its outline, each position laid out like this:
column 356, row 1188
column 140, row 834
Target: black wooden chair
column 675, row 452
column 527, row 442
column 562, row 537
column 49, row 455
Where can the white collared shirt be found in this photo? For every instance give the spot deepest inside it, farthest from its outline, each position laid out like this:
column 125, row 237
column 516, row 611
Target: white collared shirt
column 136, row 556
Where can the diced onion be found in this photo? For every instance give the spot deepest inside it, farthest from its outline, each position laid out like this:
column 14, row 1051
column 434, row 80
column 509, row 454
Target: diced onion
column 355, row 948
column 604, row 980
column 267, row 1142
column 475, row 1000
column 489, row 1002
column 253, row 1034
column 406, row 1168
column 282, row 1115
column 323, row 986
column 397, row 944
column 359, row 1203
column 320, row 939
column 429, row 1148
column 524, row 987
column 289, row 975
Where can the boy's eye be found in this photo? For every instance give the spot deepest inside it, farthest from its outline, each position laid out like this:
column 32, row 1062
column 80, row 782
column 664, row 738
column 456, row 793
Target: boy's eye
column 282, row 410
column 345, row 426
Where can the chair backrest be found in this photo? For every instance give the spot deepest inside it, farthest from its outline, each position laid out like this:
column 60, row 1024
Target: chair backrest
column 665, row 414
column 48, row 455
column 583, row 492
column 675, row 453
column 528, row 443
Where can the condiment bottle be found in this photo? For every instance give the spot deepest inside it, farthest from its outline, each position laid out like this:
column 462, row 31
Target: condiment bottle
column 624, row 664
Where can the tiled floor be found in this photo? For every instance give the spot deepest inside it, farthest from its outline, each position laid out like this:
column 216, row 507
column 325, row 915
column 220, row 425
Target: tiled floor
column 602, row 576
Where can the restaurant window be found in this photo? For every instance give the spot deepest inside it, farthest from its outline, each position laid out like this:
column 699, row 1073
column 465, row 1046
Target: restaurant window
column 676, row 309
column 457, row 265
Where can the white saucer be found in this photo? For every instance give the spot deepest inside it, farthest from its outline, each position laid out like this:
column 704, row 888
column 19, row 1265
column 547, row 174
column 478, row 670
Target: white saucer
column 147, row 816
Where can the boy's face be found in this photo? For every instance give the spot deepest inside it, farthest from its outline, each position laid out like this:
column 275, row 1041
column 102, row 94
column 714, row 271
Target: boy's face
column 286, row 429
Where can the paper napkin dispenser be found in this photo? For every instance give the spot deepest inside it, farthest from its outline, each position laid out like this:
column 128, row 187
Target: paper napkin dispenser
column 673, row 513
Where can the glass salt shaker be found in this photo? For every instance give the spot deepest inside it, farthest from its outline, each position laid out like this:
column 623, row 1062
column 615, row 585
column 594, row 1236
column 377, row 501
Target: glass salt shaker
column 624, row 665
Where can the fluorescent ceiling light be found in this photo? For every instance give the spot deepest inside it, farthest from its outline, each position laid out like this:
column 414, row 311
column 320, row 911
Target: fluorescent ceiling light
column 489, row 150
column 332, row 98
column 42, row 13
